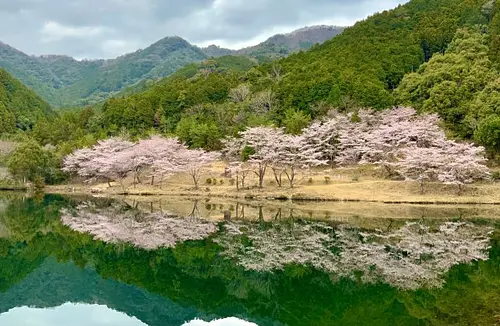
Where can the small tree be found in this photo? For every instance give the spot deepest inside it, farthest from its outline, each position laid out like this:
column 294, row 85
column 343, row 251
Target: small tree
column 264, row 142
column 193, row 162
column 30, row 162
column 294, row 154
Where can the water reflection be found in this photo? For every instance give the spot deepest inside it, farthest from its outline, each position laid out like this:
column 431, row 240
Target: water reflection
column 115, row 223
column 317, row 272
column 409, row 257
column 220, row 322
column 68, row 314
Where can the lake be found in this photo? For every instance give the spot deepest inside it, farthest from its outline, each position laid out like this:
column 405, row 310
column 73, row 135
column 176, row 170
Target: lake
column 100, row 262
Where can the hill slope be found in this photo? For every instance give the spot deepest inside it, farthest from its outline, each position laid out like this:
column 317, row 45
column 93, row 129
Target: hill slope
column 19, row 106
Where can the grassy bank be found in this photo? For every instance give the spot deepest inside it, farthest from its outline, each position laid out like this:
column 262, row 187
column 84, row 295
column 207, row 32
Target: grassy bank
column 343, row 185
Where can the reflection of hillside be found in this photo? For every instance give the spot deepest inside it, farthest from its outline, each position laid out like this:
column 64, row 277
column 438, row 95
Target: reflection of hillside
column 409, row 257
column 149, row 231
column 53, row 284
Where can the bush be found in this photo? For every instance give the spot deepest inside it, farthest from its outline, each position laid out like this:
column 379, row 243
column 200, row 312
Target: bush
column 495, row 175
column 355, row 178
column 327, row 180
column 310, row 181
column 209, row 181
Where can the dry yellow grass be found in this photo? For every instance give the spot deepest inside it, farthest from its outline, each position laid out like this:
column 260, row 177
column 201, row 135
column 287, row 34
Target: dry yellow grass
column 355, row 184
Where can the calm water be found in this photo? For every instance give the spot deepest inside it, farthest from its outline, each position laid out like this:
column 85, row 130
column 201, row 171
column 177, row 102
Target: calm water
column 101, row 262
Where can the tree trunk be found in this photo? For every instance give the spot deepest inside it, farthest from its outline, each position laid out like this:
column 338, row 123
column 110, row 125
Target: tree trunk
column 277, row 177
column 195, row 180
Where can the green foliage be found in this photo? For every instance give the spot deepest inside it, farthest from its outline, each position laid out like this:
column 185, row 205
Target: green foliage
column 295, row 121
column 19, row 106
column 462, row 85
column 488, row 133
column 30, row 162
column 198, row 134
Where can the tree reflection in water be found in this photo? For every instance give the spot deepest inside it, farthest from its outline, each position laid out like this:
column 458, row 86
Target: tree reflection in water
column 149, row 231
column 410, row 257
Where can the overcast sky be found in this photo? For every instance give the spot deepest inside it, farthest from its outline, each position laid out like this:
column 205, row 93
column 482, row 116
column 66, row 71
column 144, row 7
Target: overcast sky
column 108, row 28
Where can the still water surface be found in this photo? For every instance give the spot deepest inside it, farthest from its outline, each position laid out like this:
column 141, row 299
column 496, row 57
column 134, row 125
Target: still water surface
column 98, row 262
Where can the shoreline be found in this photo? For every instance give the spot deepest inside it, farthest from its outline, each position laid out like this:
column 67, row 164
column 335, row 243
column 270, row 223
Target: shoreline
column 287, row 195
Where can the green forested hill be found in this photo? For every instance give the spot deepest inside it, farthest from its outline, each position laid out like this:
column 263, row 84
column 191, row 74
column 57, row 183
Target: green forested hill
column 64, row 81
column 367, row 61
column 359, row 68
column 19, row 106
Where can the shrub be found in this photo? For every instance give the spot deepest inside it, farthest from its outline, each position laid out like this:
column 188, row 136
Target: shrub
column 327, row 180
column 310, row 181
column 209, row 181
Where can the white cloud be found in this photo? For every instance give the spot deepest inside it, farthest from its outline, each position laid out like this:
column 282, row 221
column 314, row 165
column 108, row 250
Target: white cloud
column 220, row 322
column 54, row 31
column 114, row 48
column 68, row 314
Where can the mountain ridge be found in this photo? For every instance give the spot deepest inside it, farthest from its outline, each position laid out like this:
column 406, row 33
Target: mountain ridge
column 65, row 81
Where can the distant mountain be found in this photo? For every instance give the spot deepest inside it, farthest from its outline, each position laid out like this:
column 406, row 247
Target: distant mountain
column 281, row 45
column 20, row 107
column 64, row 81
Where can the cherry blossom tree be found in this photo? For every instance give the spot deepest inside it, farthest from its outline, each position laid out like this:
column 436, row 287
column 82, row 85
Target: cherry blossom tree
column 153, row 154
column 295, row 153
column 241, row 170
column 464, row 165
column 325, row 134
column 265, row 143
column 193, row 162
column 450, row 162
column 103, row 160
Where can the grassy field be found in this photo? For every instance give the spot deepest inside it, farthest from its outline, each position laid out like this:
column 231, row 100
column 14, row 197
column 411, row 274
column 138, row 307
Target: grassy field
column 347, row 184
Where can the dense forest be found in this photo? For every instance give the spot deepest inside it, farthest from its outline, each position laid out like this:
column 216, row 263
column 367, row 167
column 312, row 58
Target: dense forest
column 20, row 107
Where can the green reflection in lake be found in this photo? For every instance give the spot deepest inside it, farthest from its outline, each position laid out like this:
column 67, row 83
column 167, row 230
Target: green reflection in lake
column 280, row 272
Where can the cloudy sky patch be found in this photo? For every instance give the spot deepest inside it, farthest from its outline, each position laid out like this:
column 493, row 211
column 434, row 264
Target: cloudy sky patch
column 108, row 28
